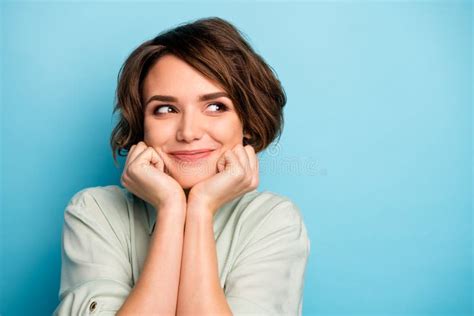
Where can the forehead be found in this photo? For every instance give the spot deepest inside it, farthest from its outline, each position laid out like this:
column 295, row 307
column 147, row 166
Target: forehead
column 171, row 75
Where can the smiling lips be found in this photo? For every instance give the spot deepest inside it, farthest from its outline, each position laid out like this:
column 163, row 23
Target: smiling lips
column 191, row 156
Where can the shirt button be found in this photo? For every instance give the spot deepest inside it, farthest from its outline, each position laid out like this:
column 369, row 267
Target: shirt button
column 93, row 306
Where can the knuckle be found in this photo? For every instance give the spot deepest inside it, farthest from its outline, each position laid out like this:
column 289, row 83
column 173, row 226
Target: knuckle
column 238, row 147
column 248, row 181
column 255, row 183
column 240, row 172
column 132, row 170
column 123, row 181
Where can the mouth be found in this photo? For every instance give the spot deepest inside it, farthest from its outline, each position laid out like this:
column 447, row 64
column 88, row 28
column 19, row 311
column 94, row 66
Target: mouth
column 191, row 156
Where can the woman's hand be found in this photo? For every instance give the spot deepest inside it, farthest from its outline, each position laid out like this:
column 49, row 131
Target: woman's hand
column 145, row 175
column 237, row 174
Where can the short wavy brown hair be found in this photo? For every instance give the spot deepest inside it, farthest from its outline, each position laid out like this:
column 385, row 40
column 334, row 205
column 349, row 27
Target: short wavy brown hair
column 219, row 51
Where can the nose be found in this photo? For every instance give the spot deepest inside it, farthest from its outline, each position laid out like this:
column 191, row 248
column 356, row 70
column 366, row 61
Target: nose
column 189, row 128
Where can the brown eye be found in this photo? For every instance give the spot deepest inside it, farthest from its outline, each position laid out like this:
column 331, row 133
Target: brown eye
column 163, row 109
column 218, row 107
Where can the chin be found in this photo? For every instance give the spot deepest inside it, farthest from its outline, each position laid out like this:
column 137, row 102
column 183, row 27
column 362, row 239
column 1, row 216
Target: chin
column 189, row 176
column 189, row 182
column 189, row 179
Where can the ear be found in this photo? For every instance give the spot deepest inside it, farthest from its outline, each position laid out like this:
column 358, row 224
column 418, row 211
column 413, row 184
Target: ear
column 246, row 138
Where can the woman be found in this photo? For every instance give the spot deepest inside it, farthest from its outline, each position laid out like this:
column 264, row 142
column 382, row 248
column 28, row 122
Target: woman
column 188, row 234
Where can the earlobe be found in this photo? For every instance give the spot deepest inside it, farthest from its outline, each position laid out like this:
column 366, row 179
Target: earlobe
column 246, row 138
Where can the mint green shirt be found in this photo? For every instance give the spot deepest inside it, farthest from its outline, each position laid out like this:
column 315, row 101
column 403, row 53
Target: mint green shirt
column 261, row 242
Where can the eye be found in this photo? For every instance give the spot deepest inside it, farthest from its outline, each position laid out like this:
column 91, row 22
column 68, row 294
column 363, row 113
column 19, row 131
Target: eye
column 217, row 107
column 163, row 109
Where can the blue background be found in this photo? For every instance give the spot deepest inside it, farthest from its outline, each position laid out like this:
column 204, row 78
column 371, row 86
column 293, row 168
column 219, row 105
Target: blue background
column 376, row 148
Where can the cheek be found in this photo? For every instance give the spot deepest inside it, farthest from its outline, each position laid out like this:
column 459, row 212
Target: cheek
column 228, row 131
column 156, row 134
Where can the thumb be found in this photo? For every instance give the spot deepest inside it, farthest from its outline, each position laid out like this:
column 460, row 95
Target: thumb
column 221, row 163
column 152, row 157
column 226, row 161
column 161, row 157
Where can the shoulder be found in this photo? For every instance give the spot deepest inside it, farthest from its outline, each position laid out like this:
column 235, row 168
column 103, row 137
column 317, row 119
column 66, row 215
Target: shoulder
column 268, row 211
column 261, row 206
column 101, row 204
column 272, row 221
column 99, row 195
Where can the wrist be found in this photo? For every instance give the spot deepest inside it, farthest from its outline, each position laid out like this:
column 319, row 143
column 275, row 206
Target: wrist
column 200, row 201
column 172, row 209
column 200, row 211
column 172, row 201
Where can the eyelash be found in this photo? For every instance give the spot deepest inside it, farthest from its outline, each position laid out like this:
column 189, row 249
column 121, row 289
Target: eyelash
column 222, row 107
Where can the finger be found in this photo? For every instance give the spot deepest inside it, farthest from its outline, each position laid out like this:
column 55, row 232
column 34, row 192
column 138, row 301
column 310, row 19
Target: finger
column 139, row 148
column 162, row 156
column 252, row 156
column 221, row 162
column 242, row 155
column 254, row 165
column 150, row 156
column 129, row 154
column 228, row 161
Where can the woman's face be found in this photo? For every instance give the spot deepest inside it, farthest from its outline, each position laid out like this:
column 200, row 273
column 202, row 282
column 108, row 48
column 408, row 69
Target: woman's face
column 178, row 117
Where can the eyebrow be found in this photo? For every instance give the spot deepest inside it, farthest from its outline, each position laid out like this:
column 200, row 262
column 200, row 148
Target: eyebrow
column 204, row 97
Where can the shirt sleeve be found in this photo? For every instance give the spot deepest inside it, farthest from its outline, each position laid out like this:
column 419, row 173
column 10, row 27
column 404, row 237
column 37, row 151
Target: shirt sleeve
column 268, row 275
column 96, row 275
